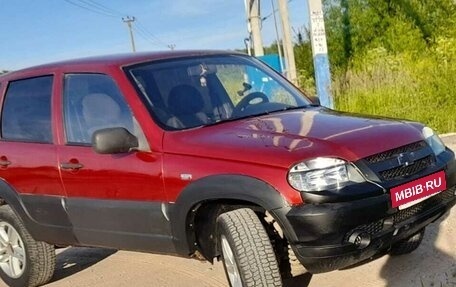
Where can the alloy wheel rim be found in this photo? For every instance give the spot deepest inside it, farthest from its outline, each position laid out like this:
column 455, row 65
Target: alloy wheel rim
column 230, row 263
column 12, row 251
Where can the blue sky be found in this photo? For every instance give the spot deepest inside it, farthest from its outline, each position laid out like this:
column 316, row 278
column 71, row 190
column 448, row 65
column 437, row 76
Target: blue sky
column 39, row 31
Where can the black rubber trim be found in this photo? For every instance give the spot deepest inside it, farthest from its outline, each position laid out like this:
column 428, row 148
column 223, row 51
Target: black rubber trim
column 220, row 187
column 46, row 210
column 121, row 224
column 41, row 224
column 129, row 225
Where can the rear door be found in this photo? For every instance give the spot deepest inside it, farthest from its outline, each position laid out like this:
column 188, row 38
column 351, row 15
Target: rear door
column 28, row 158
column 114, row 200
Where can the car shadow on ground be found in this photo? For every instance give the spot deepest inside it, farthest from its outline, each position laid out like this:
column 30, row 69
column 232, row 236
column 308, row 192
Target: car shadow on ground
column 428, row 266
column 75, row 259
column 298, row 281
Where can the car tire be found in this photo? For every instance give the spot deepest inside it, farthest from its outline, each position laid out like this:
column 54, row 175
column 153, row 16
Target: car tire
column 247, row 253
column 408, row 245
column 23, row 260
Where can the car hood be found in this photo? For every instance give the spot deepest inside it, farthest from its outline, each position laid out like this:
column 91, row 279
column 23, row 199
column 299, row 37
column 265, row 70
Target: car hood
column 284, row 138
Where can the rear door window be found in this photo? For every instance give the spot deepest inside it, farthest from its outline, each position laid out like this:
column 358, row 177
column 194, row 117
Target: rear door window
column 26, row 114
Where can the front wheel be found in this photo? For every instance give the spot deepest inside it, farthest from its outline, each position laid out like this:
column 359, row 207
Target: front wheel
column 248, row 256
column 24, row 262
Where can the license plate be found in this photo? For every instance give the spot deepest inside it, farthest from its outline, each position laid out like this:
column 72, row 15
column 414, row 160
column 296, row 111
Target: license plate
column 416, row 191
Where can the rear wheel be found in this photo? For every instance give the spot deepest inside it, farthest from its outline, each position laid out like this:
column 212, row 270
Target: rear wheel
column 248, row 256
column 408, row 245
column 23, row 261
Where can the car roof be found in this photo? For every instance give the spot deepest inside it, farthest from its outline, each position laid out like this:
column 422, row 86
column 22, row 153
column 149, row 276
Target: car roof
column 117, row 60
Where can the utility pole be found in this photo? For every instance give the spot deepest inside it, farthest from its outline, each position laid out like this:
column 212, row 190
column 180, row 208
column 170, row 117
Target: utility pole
column 279, row 47
column 129, row 20
column 172, row 46
column 320, row 53
column 254, row 25
column 287, row 42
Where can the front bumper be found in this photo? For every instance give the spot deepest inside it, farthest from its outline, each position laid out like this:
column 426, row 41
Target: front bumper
column 323, row 235
column 329, row 249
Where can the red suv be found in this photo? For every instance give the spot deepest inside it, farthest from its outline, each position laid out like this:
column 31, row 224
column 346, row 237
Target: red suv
column 208, row 155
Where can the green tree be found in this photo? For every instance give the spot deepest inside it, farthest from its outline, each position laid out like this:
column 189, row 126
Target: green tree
column 385, row 53
column 356, row 26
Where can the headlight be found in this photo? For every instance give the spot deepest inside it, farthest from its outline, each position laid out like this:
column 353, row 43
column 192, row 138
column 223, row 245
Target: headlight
column 321, row 174
column 433, row 141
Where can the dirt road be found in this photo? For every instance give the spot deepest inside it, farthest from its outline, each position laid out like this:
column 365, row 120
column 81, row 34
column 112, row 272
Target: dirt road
column 433, row 264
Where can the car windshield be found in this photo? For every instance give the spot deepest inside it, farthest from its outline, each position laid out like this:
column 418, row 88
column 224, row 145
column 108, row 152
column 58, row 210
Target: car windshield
column 205, row 90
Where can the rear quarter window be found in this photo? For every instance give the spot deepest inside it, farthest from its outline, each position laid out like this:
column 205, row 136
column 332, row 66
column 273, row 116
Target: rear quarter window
column 26, row 114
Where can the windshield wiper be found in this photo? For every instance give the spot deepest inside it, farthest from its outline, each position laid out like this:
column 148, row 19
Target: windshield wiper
column 238, row 118
column 289, row 108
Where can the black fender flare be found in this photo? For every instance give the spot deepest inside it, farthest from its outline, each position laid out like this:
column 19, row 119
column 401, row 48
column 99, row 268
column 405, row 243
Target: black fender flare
column 61, row 234
column 224, row 187
column 9, row 196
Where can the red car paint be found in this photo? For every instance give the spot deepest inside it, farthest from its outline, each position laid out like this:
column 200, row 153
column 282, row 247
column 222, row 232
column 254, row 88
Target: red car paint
column 263, row 147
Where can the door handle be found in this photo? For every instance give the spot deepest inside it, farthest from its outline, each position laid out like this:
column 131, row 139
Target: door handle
column 71, row 165
column 4, row 162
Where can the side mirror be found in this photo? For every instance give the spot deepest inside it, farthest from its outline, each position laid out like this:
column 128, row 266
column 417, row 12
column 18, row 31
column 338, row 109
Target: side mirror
column 113, row 140
column 315, row 100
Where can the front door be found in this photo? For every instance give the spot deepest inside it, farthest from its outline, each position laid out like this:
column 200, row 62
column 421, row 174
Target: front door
column 114, row 200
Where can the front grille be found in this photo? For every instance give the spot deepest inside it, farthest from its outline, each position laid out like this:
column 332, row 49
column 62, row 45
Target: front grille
column 448, row 194
column 404, row 171
column 395, row 152
column 401, row 162
column 429, row 203
column 371, row 228
column 374, row 228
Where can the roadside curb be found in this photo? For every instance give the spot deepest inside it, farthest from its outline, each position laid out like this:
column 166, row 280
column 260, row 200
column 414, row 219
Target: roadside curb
column 447, row 135
column 449, row 140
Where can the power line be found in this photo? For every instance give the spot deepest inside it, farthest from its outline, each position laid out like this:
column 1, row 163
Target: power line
column 145, row 37
column 147, row 32
column 101, row 6
column 139, row 25
column 90, row 9
column 95, row 7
